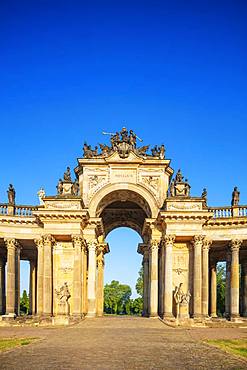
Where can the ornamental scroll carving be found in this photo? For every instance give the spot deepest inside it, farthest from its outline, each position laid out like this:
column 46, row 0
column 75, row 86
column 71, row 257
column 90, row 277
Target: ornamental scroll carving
column 169, row 240
column 235, row 244
column 63, row 205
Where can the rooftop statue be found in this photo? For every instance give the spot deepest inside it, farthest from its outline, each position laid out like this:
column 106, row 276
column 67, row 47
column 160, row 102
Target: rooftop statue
column 67, row 175
column 235, row 196
column 123, row 142
column 179, row 186
column 11, row 194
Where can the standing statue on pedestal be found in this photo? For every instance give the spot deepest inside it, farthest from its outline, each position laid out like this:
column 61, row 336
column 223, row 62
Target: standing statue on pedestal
column 235, row 196
column 67, row 175
column 63, row 296
column 41, row 195
column 60, row 187
column 182, row 301
column 75, row 188
column 11, row 194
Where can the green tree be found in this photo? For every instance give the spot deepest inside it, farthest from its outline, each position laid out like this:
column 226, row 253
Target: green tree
column 139, row 283
column 221, row 287
column 137, row 306
column 24, row 303
column 116, row 298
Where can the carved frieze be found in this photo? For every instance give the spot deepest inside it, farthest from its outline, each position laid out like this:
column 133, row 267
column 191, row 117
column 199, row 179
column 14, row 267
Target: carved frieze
column 184, row 206
column 62, row 205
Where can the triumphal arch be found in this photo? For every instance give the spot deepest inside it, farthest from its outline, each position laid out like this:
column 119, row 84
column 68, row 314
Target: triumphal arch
column 123, row 184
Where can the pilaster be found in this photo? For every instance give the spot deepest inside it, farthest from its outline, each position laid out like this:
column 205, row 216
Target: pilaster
column 40, row 275
column 205, row 271
column 78, row 242
column 47, row 282
column 235, row 245
column 197, row 284
column 168, row 295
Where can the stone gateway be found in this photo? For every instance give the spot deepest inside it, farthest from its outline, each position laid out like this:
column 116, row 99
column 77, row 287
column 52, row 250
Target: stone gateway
column 123, row 185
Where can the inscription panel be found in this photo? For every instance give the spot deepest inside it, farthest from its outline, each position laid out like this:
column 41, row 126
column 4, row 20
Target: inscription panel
column 123, row 175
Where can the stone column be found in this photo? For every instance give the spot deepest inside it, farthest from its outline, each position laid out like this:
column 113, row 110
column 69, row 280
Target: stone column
column 168, row 296
column 228, row 285
column 2, row 285
column 197, row 283
column 213, row 290
column 17, row 280
column 40, row 275
column 92, row 245
column 85, row 276
column 145, row 263
column 100, row 282
column 161, row 278
column 205, row 272
column 47, row 281
column 153, row 264
column 244, row 272
column 32, row 288
column 235, row 245
column 77, row 275
column 11, row 264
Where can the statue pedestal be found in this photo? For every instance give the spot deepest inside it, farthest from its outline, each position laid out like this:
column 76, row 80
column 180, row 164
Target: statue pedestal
column 60, row 320
column 183, row 311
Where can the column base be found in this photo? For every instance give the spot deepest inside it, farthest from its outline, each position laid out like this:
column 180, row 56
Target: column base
column 213, row 315
column 168, row 316
column 9, row 317
column 91, row 315
column 153, row 315
column 235, row 318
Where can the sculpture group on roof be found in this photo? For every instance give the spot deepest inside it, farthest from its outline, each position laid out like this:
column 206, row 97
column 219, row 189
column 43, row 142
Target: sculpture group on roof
column 123, row 142
column 67, row 186
column 179, row 186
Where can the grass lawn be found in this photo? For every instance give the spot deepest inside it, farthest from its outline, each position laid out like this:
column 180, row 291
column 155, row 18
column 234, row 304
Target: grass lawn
column 8, row 343
column 234, row 346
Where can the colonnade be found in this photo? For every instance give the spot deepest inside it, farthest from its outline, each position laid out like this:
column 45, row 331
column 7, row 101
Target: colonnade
column 88, row 278
column 204, row 284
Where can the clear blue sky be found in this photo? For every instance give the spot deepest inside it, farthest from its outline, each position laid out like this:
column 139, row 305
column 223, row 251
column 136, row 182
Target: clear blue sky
column 175, row 71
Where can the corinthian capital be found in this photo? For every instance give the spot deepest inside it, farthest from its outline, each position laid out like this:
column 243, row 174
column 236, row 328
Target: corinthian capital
column 207, row 244
column 169, row 240
column 39, row 242
column 92, row 245
column 154, row 244
column 235, row 244
column 48, row 240
column 77, row 240
column 198, row 239
column 11, row 243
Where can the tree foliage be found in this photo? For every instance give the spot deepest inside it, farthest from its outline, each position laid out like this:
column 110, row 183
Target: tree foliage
column 221, row 287
column 116, row 298
column 24, row 303
column 139, row 283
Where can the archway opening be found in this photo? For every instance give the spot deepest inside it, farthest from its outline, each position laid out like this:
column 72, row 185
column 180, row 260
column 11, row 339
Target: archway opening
column 122, row 270
column 24, row 287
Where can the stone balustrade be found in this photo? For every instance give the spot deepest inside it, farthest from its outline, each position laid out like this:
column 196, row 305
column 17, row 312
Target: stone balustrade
column 17, row 210
column 224, row 212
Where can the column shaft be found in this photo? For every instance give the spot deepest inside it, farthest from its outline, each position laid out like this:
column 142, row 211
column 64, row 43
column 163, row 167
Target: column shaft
column 145, row 281
column 2, row 285
column 244, row 272
column 11, row 264
column 47, row 282
column 213, row 290
column 17, row 281
column 154, row 247
column 77, row 276
column 168, row 295
column 100, row 285
column 40, row 276
column 92, row 244
column 197, row 286
column 228, row 285
column 235, row 244
column 205, row 272
column 32, row 289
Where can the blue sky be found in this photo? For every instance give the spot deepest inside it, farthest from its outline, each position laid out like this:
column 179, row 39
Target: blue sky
column 174, row 72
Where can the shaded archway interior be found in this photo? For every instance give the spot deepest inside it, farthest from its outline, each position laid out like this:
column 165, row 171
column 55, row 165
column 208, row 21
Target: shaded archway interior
column 123, row 208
